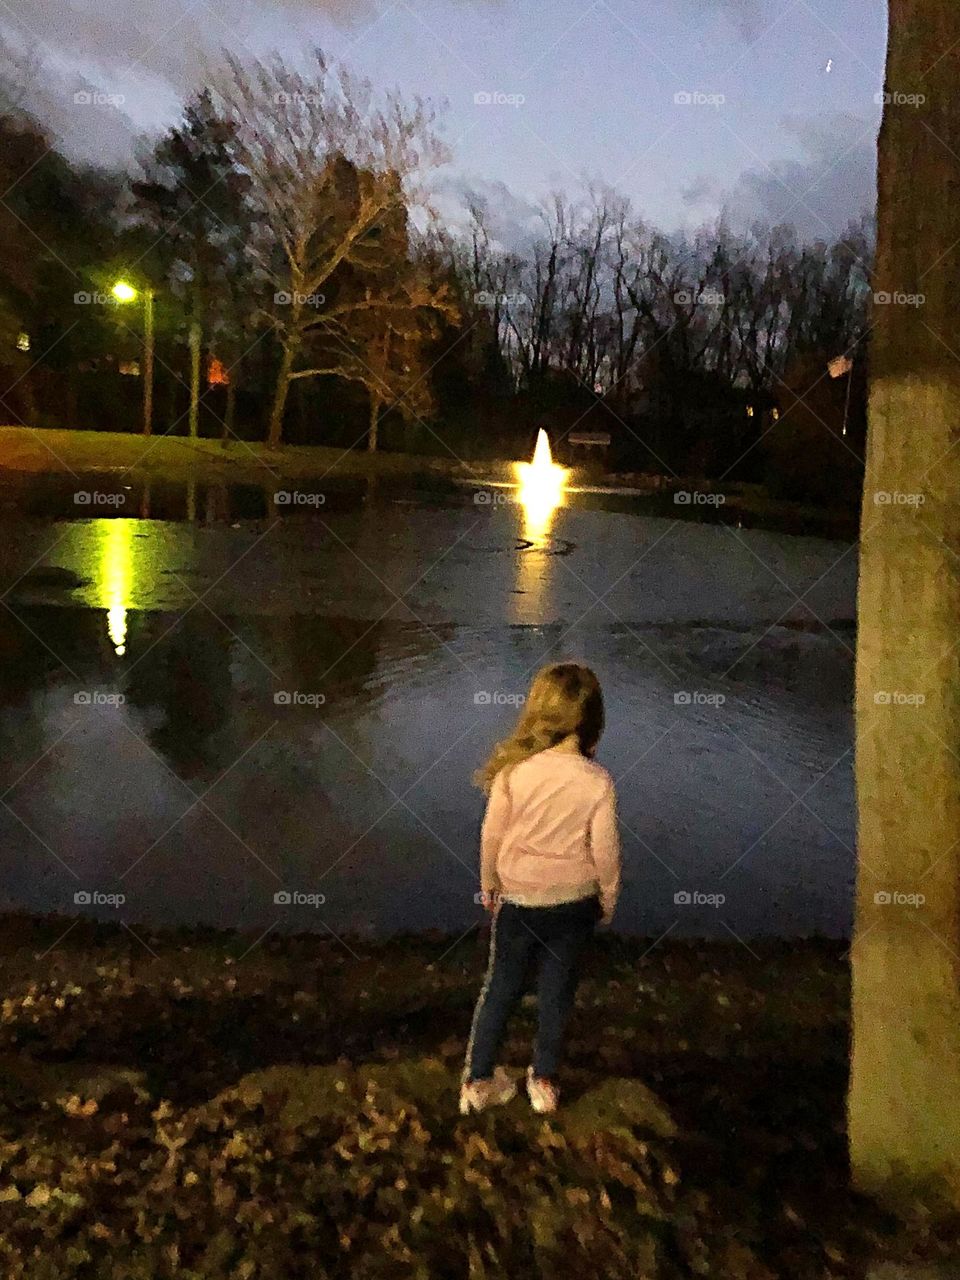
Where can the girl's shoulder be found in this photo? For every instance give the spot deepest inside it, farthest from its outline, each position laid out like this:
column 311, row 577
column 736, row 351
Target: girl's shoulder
column 602, row 776
column 582, row 766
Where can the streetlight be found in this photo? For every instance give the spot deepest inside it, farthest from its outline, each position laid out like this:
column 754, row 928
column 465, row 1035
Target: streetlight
column 836, row 368
column 124, row 292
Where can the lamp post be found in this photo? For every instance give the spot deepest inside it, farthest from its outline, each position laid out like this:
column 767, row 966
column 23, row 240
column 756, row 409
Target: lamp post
column 124, row 292
column 836, row 368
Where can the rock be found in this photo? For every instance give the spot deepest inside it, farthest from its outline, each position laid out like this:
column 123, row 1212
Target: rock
column 616, row 1103
column 87, row 1082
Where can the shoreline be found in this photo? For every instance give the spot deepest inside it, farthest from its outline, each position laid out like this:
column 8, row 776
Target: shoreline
column 39, row 451
column 184, row 1103
column 21, row 928
column 30, row 451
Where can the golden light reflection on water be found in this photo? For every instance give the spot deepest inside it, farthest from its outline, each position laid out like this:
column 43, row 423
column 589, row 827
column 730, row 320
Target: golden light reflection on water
column 538, row 509
column 116, row 578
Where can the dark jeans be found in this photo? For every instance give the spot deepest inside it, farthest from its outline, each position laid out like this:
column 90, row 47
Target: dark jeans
column 557, row 935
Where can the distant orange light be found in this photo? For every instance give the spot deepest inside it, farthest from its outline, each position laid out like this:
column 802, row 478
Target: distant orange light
column 217, row 373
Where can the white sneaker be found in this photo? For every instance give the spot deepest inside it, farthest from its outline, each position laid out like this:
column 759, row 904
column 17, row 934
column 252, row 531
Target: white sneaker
column 543, row 1094
column 477, row 1095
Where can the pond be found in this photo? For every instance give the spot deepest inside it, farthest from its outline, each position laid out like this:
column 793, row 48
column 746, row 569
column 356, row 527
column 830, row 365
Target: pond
column 221, row 709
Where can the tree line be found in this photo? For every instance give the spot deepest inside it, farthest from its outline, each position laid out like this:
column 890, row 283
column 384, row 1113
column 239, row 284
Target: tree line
column 305, row 289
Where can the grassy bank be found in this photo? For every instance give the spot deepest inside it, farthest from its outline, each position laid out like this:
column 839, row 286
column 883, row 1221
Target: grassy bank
column 194, row 1105
column 26, row 451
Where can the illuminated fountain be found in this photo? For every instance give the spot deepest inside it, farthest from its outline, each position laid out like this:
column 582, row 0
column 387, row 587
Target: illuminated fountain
column 539, row 493
column 540, row 485
column 543, row 485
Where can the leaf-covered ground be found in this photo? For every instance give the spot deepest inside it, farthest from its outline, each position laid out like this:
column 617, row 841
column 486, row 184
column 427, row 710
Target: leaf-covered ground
column 182, row 1105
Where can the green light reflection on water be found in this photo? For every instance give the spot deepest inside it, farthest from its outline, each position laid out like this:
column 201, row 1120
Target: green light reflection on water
column 115, row 573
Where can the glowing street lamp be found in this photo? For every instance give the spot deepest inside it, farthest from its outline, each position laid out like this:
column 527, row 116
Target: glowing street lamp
column 124, row 292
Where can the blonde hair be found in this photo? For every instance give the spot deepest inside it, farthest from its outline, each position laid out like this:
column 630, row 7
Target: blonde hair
column 564, row 698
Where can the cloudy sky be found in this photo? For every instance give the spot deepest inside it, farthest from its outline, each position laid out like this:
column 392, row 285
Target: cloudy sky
column 758, row 107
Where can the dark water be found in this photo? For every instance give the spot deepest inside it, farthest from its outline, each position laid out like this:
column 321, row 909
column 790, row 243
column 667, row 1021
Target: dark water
column 212, row 701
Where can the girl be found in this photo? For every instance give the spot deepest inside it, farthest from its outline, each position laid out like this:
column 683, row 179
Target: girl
column 549, row 870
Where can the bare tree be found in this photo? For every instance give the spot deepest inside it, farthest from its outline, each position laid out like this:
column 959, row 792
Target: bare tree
column 329, row 164
column 379, row 339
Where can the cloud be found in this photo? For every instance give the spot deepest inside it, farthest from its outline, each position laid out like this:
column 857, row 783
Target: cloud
column 150, row 54
column 702, row 190
column 512, row 221
column 745, row 15
column 169, row 40
column 833, row 182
